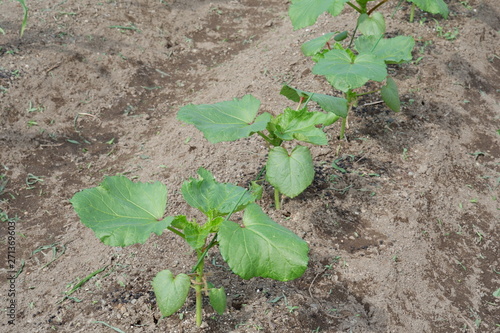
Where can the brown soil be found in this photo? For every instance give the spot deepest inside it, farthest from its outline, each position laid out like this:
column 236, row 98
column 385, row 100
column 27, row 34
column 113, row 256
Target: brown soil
column 407, row 240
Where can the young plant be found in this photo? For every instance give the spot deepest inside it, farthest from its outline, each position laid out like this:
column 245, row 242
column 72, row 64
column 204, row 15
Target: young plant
column 289, row 172
column 348, row 67
column 25, row 18
column 122, row 213
column 430, row 6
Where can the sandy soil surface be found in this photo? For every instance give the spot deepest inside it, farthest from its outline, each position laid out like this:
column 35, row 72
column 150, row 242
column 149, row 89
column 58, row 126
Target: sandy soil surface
column 406, row 240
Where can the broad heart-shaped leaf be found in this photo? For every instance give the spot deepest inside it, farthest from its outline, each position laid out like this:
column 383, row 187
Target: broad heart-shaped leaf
column 390, row 95
column 301, row 125
column 304, row 13
column 371, row 25
column 391, row 50
column 335, row 105
column 218, row 300
column 121, row 212
column 291, row 173
column 262, row 248
column 346, row 73
column 226, row 121
column 315, row 45
column 213, row 198
column 432, row 6
column 170, row 292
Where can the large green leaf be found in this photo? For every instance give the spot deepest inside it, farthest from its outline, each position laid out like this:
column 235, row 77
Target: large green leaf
column 214, row 198
column 391, row 50
column 304, row 13
column 226, row 121
column 345, row 71
column 170, row 292
column 301, row 125
column 262, row 248
column 432, row 6
column 121, row 212
column 335, row 105
column 371, row 25
column 390, row 95
column 291, row 173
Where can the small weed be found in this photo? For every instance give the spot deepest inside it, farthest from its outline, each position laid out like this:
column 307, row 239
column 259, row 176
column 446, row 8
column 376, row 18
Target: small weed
column 477, row 154
column 461, row 265
column 32, row 180
column 466, row 4
column 290, row 308
column 31, row 108
column 116, row 329
column 77, row 285
column 131, row 27
column 404, row 155
column 448, row 35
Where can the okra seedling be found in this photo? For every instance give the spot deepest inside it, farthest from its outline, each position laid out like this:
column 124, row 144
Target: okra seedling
column 122, row 213
column 289, row 172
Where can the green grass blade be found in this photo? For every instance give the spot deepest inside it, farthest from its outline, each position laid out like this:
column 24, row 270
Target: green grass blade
column 25, row 17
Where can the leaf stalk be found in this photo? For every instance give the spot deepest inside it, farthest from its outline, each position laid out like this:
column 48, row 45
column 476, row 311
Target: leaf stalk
column 277, row 199
column 376, row 6
column 359, row 10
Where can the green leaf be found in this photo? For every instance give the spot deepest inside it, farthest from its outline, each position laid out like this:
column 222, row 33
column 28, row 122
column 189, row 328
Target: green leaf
column 371, row 25
column 432, row 6
column 496, row 293
column 390, row 95
column 335, row 105
column 121, row 212
column 391, row 50
column 315, row 45
column 301, row 125
column 213, row 198
column 291, row 173
column 180, row 222
column 262, row 248
column 346, row 72
column 226, row 121
column 218, row 299
column 304, row 13
column 170, row 292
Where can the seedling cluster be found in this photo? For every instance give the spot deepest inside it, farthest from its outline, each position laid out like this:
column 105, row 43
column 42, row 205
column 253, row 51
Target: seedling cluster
column 122, row 213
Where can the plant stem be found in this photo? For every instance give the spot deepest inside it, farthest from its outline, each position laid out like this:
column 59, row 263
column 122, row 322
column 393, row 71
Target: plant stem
column 412, row 12
column 353, row 35
column 350, row 101
column 177, row 232
column 203, row 254
column 342, row 129
column 198, row 287
column 378, row 5
column 355, row 7
column 277, row 199
column 270, row 141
